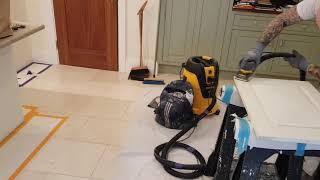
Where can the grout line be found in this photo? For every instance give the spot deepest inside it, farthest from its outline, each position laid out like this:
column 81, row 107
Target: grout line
column 98, row 162
column 84, row 141
column 62, row 174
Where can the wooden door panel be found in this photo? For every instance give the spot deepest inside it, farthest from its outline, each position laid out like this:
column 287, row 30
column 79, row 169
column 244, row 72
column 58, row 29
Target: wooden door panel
column 87, row 33
column 86, row 24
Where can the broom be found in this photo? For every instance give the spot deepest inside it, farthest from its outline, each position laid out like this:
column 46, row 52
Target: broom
column 140, row 72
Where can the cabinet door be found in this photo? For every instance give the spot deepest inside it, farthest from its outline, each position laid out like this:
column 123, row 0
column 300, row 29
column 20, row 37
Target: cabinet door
column 241, row 42
column 178, row 21
column 307, row 46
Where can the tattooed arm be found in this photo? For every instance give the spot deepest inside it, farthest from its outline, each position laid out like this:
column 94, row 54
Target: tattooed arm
column 283, row 20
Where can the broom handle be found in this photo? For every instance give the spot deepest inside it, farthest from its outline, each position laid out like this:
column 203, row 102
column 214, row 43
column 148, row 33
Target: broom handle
column 141, row 38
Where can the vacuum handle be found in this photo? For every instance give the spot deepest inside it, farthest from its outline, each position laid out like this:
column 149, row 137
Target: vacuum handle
column 275, row 55
column 268, row 56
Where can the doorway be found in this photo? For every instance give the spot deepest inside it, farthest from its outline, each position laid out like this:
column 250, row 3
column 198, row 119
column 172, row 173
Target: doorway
column 87, row 33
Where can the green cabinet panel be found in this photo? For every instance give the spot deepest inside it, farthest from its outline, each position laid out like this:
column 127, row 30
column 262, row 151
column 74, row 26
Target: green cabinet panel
column 212, row 28
column 240, row 43
column 308, row 46
column 179, row 27
column 189, row 28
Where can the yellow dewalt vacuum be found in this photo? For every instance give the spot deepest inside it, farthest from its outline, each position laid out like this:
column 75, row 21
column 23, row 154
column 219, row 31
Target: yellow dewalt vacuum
column 202, row 72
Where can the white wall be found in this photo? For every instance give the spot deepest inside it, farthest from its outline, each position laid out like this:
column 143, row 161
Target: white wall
column 150, row 32
column 22, row 50
column 44, row 43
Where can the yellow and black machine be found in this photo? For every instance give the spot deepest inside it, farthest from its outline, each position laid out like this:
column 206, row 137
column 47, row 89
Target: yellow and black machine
column 202, row 72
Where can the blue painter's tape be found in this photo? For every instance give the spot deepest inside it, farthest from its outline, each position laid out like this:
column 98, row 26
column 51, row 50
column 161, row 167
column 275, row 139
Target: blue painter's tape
column 228, row 94
column 300, row 149
column 243, row 136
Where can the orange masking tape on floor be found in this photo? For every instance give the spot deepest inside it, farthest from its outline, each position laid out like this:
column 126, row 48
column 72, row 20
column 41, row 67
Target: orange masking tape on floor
column 12, row 167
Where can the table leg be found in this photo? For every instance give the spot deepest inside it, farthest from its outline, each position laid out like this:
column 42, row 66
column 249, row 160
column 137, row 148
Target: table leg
column 252, row 162
column 219, row 163
column 237, row 171
column 282, row 166
column 295, row 167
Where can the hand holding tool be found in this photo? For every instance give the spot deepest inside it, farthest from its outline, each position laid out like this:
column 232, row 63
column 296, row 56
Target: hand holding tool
column 244, row 74
column 252, row 60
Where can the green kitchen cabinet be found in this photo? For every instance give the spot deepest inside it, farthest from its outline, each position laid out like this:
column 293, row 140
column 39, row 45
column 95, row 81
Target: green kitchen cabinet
column 190, row 27
column 212, row 27
column 179, row 25
column 241, row 41
column 306, row 45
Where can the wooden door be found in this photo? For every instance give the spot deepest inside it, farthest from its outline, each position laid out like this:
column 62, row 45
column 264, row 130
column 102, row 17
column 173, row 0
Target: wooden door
column 87, row 33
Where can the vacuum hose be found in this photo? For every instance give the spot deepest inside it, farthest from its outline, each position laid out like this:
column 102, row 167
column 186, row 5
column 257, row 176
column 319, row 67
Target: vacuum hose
column 161, row 152
column 268, row 56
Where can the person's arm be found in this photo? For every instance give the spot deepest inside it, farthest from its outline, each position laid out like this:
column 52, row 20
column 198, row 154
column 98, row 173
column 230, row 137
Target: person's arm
column 305, row 10
column 287, row 18
column 283, row 20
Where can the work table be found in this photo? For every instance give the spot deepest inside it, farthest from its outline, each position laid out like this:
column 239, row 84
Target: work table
column 20, row 34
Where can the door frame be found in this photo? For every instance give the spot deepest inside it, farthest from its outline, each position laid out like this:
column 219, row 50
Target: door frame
column 61, row 29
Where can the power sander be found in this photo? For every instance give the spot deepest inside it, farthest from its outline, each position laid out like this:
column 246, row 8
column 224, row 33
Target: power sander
column 202, row 72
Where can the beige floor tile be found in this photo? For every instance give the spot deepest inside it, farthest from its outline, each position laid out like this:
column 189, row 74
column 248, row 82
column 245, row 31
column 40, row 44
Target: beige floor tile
column 32, row 175
column 17, row 150
column 83, row 81
column 63, row 73
column 13, row 154
column 107, row 163
column 101, row 131
column 67, row 157
column 70, row 104
column 64, row 177
column 29, row 175
column 40, row 126
column 114, row 77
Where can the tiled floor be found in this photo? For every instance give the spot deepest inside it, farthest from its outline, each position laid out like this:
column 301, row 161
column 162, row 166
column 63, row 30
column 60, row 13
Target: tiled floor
column 96, row 102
